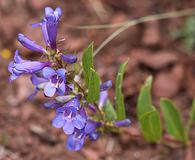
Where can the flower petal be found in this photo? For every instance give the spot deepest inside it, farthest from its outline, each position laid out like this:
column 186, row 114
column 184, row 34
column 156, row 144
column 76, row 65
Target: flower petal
column 17, row 57
column 68, row 127
column 29, row 67
column 61, row 89
column 10, row 67
column 61, row 72
column 58, row 122
column 48, row 72
column 90, row 127
column 37, row 80
column 58, row 13
column 102, row 99
column 45, row 32
column 48, row 11
column 13, row 77
column 79, row 122
column 49, row 89
column 75, row 144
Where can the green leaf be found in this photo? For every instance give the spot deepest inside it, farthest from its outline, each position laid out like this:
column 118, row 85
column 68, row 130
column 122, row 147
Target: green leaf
column 120, row 106
column 110, row 112
column 94, row 87
column 87, row 62
column 144, row 98
column 192, row 113
column 151, row 125
column 191, row 117
column 173, row 120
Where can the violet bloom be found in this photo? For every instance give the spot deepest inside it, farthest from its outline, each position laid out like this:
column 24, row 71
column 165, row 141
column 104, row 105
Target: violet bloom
column 76, row 141
column 69, row 118
column 31, row 45
column 49, row 26
column 53, row 81
column 20, row 66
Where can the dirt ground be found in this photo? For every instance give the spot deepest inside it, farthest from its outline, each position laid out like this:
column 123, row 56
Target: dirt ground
column 25, row 126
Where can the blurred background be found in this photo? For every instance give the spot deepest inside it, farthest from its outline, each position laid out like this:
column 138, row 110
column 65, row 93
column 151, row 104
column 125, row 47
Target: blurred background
column 162, row 48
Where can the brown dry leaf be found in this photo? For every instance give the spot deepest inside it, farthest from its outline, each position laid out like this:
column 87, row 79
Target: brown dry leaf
column 167, row 83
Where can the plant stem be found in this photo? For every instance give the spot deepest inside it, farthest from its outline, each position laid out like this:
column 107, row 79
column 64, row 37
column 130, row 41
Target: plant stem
column 130, row 23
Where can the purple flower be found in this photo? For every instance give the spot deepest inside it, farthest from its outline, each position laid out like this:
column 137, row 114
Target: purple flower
column 103, row 99
column 106, row 85
column 104, row 93
column 50, row 26
column 123, row 123
column 53, row 81
column 69, row 58
column 26, row 42
column 69, row 117
column 20, row 66
column 76, row 141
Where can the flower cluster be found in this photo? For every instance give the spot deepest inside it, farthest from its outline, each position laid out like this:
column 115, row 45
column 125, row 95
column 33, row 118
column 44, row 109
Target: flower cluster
column 78, row 118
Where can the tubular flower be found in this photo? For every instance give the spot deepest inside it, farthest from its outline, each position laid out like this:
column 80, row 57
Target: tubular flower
column 53, row 81
column 31, row 45
column 69, row 117
column 49, row 26
column 76, row 141
column 20, row 66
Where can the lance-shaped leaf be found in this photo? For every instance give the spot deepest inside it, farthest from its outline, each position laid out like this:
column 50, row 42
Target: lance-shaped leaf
column 144, row 100
column 148, row 116
column 120, row 106
column 94, row 87
column 110, row 112
column 191, row 117
column 151, row 125
column 87, row 62
column 173, row 120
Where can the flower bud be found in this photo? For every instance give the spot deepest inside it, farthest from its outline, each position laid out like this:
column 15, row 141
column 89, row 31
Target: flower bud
column 123, row 123
column 69, row 58
column 106, row 85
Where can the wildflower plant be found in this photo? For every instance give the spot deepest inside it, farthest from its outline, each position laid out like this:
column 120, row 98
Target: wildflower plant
column 78, row 96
